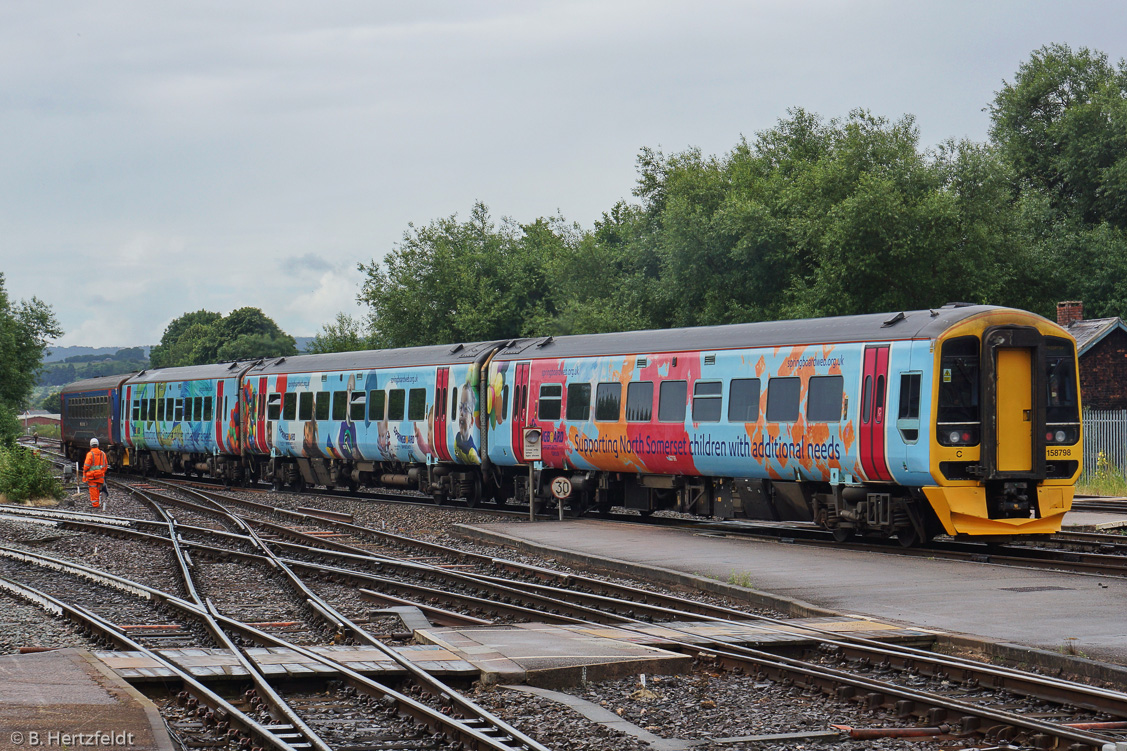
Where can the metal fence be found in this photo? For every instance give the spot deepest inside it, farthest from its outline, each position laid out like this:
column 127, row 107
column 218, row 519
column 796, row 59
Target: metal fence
column 1105, row 430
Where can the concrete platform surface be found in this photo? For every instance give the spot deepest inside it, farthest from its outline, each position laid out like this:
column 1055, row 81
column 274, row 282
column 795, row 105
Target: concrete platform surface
column 1074, row 613
column 66, row 698
column 1094, row 520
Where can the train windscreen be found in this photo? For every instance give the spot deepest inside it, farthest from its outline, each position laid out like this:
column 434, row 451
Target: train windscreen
column 959, row 414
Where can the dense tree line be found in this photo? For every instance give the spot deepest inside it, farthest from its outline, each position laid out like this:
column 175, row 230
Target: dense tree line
column 25, row 328
column 809, row 218
column 206, row 337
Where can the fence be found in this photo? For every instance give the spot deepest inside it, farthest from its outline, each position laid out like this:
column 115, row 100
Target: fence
column 1105, row 430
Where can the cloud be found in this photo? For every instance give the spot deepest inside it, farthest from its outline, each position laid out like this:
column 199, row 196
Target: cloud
column 307, row 262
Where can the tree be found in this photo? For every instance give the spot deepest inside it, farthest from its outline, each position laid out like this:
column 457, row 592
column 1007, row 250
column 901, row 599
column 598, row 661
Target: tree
column 205, row 337
column 344, row 334
column 25, row 329
column 53, row 402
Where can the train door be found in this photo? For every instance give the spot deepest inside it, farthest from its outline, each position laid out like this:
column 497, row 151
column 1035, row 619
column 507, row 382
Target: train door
column 1013, row 440
column 441, row 400
column 520, row 414
column 1015, row 410
column 874, row 413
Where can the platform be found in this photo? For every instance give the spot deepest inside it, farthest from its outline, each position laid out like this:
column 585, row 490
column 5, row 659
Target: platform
column 1093, row 521
column 65, row 698
column 1057, row 612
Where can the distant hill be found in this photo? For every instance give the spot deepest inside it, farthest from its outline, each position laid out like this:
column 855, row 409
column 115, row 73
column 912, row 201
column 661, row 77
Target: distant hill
column 59, row 354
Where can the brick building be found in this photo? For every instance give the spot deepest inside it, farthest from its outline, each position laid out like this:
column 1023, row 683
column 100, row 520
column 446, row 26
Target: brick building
column 34, row 417
column 1101, row 345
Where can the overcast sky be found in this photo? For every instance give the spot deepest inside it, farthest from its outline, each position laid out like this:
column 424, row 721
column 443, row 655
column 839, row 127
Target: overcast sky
column 159, row 158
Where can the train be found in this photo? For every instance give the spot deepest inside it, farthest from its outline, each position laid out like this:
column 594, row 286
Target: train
column 962, row 420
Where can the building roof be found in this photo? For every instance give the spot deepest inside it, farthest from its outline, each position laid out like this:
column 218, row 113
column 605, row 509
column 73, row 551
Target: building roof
column 1090, row 331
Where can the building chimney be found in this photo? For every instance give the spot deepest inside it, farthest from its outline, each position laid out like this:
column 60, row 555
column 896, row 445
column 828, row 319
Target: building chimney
column 1070, row 312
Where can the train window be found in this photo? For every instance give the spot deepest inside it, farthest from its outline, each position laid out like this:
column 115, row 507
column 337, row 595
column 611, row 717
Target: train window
column 305, row 405
column 783, row 395
column 289, row 406
column 160, row 410
column 908, row 416
column 878, row 401
column 578, row 402
column 417, row 405
column 340, row 405
column 169, row 409
column 136, row 410
column 144, row 410
column 866, row 398
column 707, row 399
column 1060, row 382
column 357, row 407
column 743, row 400
column 958, row 414
column 376, row 401
column 640, row 401
column 453, row 404
column 505, row 402
column 323, row 398
column 608, row 402
column 197, row 413
column 823, row 398
column 273, row 406
column 440, row 400
column 396, row 399
column 152, row 410
column 551, row 401
column 207, row 409
column 178, row 409
column 671, row 401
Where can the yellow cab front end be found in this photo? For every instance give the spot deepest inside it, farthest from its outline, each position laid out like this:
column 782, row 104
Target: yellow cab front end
column 1006, row 445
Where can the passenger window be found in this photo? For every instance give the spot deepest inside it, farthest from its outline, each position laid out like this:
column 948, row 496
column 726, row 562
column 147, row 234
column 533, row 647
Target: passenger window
column 273, row 407
column 289, row 406
column 707, row 399
column 144, row 410
column 908, row 416
column 152, row 410
column 136, row 410
column 376, row 401
column 878, row 401
column 454, row 404
column 782, row 399
column 551, row 401
column 323, row 398
column 672, row 398
column 417, row 406
column 505, row 402
column 640, row 401
column 160, row 410
column 743, row 400
column 866, row 398
column 170, row 409
column 208, row 412
column 178, row 413
column 823, row 399
column 578, row 402
column 357, row 407
column 395, row 402
column 305, row 406
column 608, row 402
column 197, row 413
column 340, row 405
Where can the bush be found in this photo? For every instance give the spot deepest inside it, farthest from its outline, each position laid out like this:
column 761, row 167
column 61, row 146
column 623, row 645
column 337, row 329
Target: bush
column 24, row 476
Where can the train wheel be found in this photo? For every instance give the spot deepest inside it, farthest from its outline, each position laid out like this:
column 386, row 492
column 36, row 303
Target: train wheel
column 474, row 493
column 842, row 534
column 908, row 537
column 298, row 485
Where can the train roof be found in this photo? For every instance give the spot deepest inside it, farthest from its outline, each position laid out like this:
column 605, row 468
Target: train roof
column 878, row 327
column 102, row 383
column 192, row 372
column 444, row 354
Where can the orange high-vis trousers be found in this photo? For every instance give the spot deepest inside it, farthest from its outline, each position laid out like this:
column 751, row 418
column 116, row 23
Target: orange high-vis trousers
column 95, row 494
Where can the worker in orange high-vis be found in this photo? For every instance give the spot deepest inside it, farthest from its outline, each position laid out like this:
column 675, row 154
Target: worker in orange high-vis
column 94, row 472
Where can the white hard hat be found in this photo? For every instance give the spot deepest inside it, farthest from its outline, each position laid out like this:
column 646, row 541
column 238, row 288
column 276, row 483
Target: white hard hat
column 93, row 441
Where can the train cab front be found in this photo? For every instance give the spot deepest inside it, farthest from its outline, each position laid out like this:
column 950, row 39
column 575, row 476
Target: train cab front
column 1006, row 450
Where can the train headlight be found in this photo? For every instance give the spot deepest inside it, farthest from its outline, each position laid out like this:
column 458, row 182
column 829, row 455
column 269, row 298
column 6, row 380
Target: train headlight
column 954, row 437
column 1060, row 436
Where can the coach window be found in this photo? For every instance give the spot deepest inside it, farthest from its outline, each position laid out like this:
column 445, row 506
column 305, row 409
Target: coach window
column 340, row 405
column 578, row 402
column 707, row 399
column 823, row 398
column 395, row 401
column 273, row 407
column 198, row 412
column 551, row 401
column 160, row 410
column 144, row 410
column 908, row 417
column 671, row 401
column 136, row 410
column 323, row 398
column 289, row 406
column 640, row 401
column 152, row 410
column 417, row 405
column 305, row 406
column 178, row 409
column 170, row 409
column 357, row 406
column 376, row 401
column 505, row 402
column 608, row 402
column 783, row 398
column 743, row 400
column 208, row 412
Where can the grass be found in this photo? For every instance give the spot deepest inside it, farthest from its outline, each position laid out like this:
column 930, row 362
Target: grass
column 740, row 580
column 1106, row 480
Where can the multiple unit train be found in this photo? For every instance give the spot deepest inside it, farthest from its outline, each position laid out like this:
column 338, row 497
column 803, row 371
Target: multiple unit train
column 963, row 420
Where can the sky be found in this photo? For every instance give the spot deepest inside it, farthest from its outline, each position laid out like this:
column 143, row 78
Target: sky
column 160, row 158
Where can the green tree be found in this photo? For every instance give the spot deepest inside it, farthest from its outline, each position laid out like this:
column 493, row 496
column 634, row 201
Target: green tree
column 343, row 334
column 170, row 353
column 53, row 402
column 25, row 329
column 204, row 337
